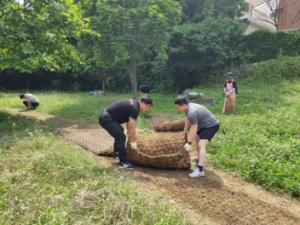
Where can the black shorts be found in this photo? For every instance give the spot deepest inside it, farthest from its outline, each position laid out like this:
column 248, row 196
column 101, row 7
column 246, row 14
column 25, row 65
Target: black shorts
column 208, row 133
column 34, row 105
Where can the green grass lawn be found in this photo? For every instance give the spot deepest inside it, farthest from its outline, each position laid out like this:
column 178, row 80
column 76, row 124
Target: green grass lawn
column 44, row 180
column 84, row 107
column 261, row 142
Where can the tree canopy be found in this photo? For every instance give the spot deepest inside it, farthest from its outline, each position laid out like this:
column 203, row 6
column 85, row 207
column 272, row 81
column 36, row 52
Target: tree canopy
column 39, row 34
column 129, row 28
column 171, row 44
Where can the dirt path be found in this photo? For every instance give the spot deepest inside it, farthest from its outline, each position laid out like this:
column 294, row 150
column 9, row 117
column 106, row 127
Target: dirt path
column 218, row 198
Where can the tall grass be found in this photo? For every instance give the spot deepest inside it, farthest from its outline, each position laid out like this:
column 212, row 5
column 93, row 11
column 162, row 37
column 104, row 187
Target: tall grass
column 260, row 141
column 45, row 180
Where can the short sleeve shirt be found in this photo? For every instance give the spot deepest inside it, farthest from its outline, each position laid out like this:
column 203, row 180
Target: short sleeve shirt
column 31, row 98
column 198, row 114
column 122, row 110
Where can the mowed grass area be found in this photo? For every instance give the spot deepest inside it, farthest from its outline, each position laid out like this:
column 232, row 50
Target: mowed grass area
column 84, row 107
column 45, row 180
column 261, row 142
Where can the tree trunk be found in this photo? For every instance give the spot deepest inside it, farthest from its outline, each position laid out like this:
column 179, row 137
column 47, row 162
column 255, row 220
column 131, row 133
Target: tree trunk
column 131, row 67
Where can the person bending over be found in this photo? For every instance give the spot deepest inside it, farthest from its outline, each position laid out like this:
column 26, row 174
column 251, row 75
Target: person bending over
column 200, row 127
column 119, row 112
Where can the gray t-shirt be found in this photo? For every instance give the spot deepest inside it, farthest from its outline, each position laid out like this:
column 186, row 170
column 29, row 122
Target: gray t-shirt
column 201, row 115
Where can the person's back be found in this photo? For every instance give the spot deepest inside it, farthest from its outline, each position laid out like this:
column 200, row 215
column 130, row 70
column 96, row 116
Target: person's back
column 119, row 112
column 30, row 101
column 32, row 98
column 201, row 115
column 122, row 110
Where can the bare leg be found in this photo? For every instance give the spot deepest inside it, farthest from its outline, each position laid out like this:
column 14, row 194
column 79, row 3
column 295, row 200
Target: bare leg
column 196, row 159
column 199, row 172
column 202, row 151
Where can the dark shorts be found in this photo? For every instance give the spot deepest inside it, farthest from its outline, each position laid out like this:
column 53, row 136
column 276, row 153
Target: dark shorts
column 208, row 133
column 34, row 105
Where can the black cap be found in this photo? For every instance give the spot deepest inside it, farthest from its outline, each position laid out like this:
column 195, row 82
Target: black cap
column 230, row 74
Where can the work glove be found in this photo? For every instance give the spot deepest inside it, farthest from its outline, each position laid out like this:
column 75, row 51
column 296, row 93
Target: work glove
column 133, row 145
column 187, row 147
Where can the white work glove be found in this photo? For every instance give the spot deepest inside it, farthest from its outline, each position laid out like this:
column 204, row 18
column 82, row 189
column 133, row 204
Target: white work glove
column 133, row 145
column 187, row 147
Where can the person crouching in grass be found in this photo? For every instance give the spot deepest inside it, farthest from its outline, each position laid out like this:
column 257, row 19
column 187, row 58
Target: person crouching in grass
column 30, row 101
column 200, row 127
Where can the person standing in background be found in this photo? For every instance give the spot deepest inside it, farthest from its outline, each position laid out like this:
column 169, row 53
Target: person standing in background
column 230, row 92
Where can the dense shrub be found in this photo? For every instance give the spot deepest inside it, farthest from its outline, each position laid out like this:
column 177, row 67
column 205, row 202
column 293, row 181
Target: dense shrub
column 264, row 45
column 273, row 70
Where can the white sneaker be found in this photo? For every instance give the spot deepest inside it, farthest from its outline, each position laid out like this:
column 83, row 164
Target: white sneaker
column 196, row 173
column 126, row 165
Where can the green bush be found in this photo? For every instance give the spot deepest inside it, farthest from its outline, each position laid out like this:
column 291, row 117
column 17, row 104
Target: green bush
column 262, row 151
column 264, row 45
column 273, row 70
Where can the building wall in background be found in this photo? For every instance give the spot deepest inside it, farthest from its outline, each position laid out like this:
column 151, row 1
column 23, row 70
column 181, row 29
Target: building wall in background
column 257, row 20
column 290, row 15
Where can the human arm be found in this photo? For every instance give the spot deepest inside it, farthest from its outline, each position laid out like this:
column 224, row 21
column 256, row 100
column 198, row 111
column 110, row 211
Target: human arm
column 187, row 126
column 131, row 129
column 192, row 117
column 192, row 134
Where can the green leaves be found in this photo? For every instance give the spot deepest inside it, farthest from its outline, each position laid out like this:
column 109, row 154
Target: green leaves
column 264, row 45
column 206, row 42
column 35, row 35
column 262, row 142
column 211, row 44
column 274, row 70
column 129, row 30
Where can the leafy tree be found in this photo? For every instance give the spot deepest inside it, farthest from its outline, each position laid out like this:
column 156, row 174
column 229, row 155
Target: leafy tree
column 206, row 42
column 129, row 28
column 39, row 34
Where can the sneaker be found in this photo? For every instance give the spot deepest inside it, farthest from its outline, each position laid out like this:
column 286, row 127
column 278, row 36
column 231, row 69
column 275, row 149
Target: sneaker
column 126, row 165
column 197, row 173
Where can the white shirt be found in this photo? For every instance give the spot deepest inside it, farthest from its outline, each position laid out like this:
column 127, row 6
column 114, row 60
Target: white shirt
column 31, row 98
